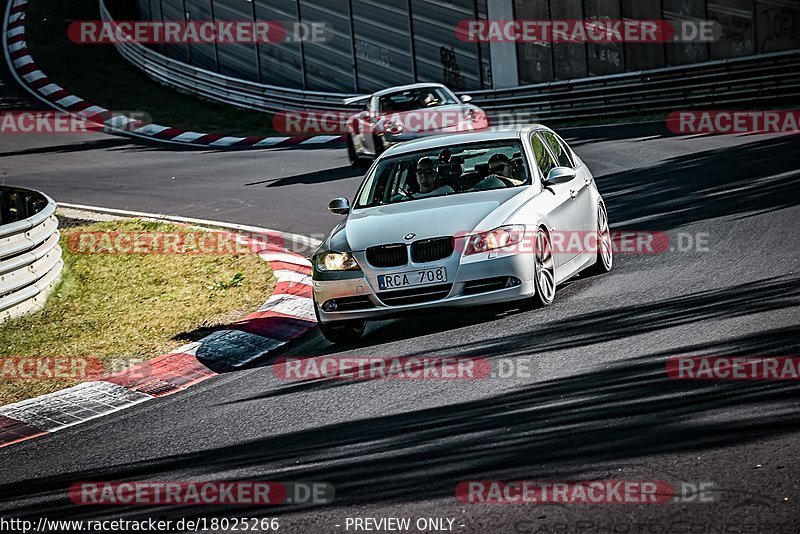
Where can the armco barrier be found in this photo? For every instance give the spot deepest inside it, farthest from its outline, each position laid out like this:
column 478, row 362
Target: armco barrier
column 225, row 89
column 753, row 80
column 30, row 257
column 767, row 79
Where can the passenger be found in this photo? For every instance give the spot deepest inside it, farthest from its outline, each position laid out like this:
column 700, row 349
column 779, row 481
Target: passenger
column 426, row 178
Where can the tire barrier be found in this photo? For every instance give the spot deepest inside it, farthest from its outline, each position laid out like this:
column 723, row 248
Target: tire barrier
column 30, row 257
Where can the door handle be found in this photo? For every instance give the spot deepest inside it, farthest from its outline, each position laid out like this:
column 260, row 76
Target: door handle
column 573, row 193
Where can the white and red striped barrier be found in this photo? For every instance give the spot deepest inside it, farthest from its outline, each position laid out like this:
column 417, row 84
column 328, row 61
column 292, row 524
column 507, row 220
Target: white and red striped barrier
column 287, row 314
column 24, row 69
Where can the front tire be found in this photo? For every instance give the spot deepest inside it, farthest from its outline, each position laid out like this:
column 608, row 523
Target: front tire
column 544, row 271
column 605, row 251
column 341, row 331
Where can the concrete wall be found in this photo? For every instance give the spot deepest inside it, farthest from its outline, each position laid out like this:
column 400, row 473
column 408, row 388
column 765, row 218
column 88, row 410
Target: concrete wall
column 377, row 43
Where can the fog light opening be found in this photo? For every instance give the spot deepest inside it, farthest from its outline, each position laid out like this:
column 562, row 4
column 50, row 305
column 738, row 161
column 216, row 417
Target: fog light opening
column 513, row 281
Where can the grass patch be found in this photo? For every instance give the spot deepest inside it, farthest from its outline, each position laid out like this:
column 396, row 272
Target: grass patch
column 132, row 307
column 97, row 73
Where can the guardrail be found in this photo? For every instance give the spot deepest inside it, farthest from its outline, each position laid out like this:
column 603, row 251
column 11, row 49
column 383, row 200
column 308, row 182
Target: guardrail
column 220, row 88
column 30, row 257
column 752, row 80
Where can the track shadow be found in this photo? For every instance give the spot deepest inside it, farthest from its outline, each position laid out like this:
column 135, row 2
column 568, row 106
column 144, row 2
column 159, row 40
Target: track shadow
column 624, row 412
column 569, row 333
column 757, row 177
column 138, row 144
column 115, row 142
column 578, row 136
column 76, row 146
column 315, row 177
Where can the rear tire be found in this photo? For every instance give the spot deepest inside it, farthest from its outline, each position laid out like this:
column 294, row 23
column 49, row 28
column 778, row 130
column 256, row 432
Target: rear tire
column 355, row 161
column 341, row 331
column 605, row 250
column 379, row 148
column 544, row 271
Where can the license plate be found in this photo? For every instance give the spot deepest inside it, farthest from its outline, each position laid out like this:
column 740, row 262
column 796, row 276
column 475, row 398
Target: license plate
column 412, row 278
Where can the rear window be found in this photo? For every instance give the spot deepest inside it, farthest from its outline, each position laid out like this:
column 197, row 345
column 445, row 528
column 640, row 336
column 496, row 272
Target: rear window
column 412, row 99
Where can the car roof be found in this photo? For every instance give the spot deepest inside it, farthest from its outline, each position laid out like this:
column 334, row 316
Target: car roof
column 441, row 141
column 409, row 87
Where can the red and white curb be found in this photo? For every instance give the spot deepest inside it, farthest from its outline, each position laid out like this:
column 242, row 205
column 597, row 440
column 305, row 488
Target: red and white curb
column 287, row 314
column 36, row 82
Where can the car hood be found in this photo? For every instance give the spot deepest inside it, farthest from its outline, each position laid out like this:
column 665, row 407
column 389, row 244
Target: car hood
column 432, row 217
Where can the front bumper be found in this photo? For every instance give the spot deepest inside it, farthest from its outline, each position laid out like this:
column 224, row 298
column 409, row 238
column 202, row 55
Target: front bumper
column 476, row 280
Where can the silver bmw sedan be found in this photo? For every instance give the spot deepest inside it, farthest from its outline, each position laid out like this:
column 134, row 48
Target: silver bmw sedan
column 460, row 220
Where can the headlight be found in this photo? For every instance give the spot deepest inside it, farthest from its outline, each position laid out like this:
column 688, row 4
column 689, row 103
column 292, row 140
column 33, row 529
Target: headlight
column 336, row 261
column 501, row 237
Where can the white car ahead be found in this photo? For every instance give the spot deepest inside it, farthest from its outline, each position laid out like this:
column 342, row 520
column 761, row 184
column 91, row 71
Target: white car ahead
column 407, row 112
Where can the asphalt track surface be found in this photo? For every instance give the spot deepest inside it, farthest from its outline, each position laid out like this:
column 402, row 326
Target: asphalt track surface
column 597, row 404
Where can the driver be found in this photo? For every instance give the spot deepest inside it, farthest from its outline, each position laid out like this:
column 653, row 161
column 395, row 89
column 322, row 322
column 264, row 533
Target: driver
column 426, row 178
column 430, row 100
column 499, row 174
column 500, row 165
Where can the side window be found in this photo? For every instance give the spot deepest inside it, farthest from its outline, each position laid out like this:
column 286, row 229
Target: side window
column 559, row 149
column 543, row 158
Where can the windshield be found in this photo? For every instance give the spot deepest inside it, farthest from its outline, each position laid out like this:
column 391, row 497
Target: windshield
column 424, row 97
column 445, row 171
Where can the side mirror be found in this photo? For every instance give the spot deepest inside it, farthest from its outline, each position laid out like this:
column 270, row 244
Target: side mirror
column 339, row 206
column 559, row 175
column 466, row 99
